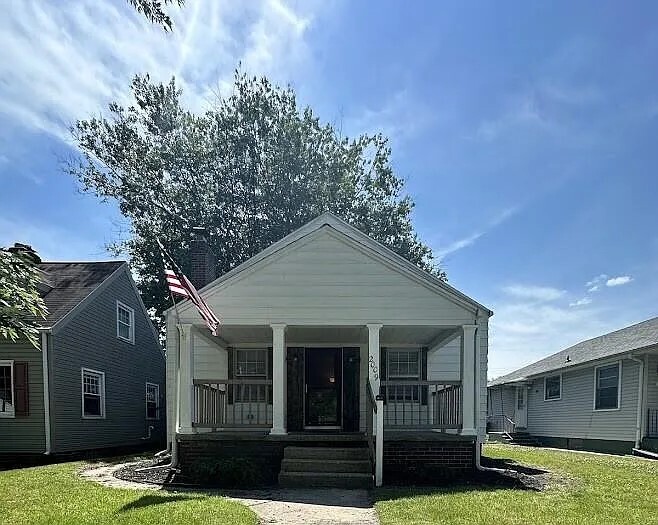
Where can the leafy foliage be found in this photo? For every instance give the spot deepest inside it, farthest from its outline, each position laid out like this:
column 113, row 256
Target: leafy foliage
column 154, row 12
column 21, row 307
column 250, row 170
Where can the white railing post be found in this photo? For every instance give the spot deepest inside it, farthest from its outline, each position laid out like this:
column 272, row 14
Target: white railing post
column 186, row 400
column 279, row 381
column 379, row 444
column 471, row 384
column 373, row 357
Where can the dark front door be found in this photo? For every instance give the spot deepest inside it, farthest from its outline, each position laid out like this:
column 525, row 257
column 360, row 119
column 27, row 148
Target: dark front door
column 323, row 368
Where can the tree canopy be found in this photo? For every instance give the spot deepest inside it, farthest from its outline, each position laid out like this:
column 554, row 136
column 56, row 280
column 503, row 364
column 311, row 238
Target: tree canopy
column 250, row 170
column 21, row 306
column 154, row 12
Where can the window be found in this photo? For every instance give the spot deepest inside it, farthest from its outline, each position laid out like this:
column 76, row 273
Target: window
column 250, row 363
column 553, row 387
column 152, row 401
column 93, row 394
column 607, row 387
column 7, row 389
column 125, row 322
column 520, row 398
column 403, row 364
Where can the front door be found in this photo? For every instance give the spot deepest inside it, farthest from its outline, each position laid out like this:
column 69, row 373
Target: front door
column 323, row 388
column 521, row 418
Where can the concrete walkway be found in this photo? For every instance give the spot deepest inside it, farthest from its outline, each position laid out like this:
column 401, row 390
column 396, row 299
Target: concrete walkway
column 292, row 506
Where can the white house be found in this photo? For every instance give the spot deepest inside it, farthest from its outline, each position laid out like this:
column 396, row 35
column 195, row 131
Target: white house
column 337, row 361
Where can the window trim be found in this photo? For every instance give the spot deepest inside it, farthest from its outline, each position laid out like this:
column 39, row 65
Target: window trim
column 608, row 365
column 238, row 375
column 82, row 392
column 157, row 401
column 12, row 414
column 131, row 327
column 546, row 391
column 416, row 377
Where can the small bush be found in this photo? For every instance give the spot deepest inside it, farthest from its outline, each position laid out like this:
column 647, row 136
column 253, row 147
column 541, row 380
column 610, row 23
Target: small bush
column 228, row 473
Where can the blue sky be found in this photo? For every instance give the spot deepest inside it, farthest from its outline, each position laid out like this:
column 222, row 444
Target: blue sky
column 526, row 134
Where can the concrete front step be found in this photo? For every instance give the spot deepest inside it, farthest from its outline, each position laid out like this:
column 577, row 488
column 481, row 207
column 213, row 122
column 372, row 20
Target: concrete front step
column 346, row 480
column 321, row 453
column 336, row 466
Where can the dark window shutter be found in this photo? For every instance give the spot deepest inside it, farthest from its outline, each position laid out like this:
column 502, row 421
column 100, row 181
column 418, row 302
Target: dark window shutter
column 383, row 371
column 21, row 393
column 231, row 375
column 270, row 373
column 423, row 374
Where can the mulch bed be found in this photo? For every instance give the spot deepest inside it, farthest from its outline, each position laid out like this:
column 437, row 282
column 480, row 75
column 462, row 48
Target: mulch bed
column 162, row 475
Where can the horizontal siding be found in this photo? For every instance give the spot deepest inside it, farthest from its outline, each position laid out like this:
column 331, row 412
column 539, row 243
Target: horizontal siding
column 652, row 382
column 325, row 280
column 25, row 434
column 573, row 416
column 483, row 342
column 502, row 401
column 444, row 363
column 89, row 340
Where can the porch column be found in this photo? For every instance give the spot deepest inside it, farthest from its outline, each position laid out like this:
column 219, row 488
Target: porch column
column 470, row 384
column 186, row 373
column 279, row 379
column 374, row 367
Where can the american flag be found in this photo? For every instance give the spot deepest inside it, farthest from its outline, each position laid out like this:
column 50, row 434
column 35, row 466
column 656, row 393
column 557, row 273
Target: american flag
column 180, row 285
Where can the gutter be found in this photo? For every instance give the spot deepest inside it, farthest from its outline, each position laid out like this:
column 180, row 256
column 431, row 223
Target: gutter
column 640, row 401
column 46, row 388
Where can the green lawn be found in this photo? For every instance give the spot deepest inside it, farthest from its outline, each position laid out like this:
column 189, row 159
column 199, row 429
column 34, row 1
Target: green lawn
column 598, row 490
column 55, row 494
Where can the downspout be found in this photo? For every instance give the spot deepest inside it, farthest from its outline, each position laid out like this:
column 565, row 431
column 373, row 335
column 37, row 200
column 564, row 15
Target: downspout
column 640, row 401
column 46, row 388
column 478, row 390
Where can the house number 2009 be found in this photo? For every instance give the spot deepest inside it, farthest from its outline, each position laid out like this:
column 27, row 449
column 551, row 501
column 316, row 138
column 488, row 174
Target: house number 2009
column 373, row 367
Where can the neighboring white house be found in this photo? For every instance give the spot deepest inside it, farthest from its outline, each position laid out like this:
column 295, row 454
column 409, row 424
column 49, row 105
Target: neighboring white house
column 337, row 361
column 601, row 394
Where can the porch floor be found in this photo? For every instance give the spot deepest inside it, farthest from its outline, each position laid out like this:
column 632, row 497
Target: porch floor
column 323, row 437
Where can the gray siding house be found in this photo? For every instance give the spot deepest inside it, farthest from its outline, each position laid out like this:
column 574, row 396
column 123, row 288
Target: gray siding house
column 601, row 394
column 97, row 379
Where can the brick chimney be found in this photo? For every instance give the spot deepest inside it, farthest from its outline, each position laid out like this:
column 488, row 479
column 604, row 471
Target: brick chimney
column 26, row 251
column 202, row 269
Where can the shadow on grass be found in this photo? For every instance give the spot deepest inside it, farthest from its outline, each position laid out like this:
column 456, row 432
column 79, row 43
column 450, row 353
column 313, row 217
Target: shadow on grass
column 153, row 499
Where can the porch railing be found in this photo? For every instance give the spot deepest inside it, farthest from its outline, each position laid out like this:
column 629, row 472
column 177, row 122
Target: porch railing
column 652, row 423
column 435, row 405
column 375, row 431
column 232, row 403
column 500, row 423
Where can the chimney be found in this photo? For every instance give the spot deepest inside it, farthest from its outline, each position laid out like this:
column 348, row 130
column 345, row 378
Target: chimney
column 202, row 270
column 26, row 251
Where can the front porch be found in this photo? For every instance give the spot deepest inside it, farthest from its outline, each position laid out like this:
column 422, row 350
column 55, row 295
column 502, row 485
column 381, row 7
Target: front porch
column 397, row 391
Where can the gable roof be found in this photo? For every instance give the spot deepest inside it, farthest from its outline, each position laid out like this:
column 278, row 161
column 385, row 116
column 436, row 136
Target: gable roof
column 635, row 337
column 69, row 283
column 329, row 220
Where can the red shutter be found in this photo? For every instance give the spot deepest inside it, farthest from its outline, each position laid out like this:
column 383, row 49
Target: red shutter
column 21, row 393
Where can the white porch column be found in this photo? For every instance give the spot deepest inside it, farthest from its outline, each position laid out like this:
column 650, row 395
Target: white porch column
column 374, row 366
column 186, row 373
column 470, row 384
column 279, row 379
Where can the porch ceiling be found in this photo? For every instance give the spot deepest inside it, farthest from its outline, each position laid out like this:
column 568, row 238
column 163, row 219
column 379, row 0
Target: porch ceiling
column 390, row 335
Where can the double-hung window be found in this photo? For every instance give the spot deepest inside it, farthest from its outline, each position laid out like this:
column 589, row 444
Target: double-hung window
column 403, row 365
column 7, row 389
column 607, row 387
column 125, row 323
column 250, row 364
column 152, row 401
column 553, row 387
column 93, row 394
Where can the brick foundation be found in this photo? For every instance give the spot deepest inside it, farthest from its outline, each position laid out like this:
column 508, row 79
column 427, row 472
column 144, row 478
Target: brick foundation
column 427, row 462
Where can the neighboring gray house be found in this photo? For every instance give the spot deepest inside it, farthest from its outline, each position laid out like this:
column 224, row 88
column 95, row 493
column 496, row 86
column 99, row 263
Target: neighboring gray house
column 601, row 394
column 97, row 379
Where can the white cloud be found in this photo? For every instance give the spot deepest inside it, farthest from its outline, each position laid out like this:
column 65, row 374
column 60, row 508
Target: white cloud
column 619, row 281
column 581, row 302
column 67, row 60
column 594, row 285
column 534, row 293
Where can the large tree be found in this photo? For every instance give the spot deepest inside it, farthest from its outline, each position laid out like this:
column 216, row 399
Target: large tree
column 154, row 11
column 250, row 170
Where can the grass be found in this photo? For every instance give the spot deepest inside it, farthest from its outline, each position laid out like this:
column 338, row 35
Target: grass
column 600, row 489
column 55, row 494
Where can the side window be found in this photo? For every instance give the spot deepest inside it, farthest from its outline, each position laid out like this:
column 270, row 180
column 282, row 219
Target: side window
column 152, row 401
column 520, row 398
column 552, row 387
column 7, row 389
column 125, row 323
column 93, row 394
column 606, row 396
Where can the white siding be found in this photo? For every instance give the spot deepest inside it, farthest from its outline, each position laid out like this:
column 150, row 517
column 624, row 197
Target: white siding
column 502, row 401
column 652, row 382
column 483, row 339
column 573, row 415
column 326, row 280
column 444, row 363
